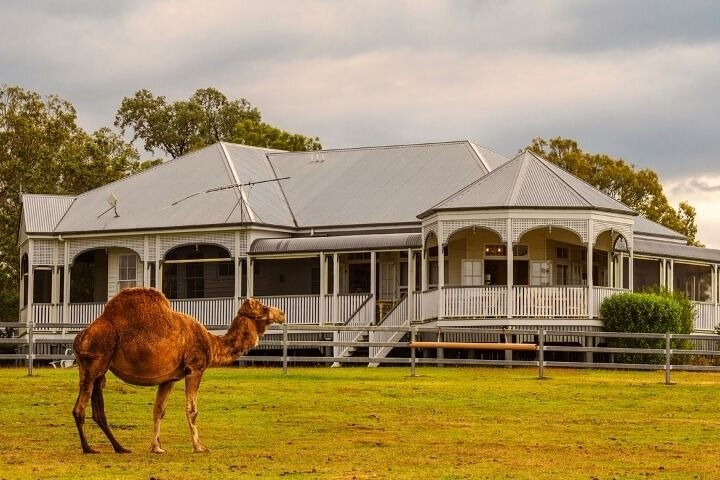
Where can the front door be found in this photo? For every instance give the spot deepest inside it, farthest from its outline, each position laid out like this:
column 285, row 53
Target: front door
column 388, row 283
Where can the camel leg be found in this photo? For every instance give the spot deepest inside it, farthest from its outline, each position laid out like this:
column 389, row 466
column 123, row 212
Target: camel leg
column 98, row 409
column 192, row 384
column 86, row 388
column 163, row 393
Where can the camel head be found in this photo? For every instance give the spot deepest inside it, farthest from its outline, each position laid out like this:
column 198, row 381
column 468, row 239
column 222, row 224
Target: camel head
column 260, row 313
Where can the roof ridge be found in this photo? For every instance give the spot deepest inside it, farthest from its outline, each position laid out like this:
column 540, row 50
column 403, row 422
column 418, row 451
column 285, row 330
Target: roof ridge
column 546, row 164
column 237, row 188
column 64, row 214
column 515, row 191
column 374, row 147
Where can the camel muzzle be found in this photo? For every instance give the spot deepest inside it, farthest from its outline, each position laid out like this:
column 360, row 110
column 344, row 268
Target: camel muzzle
column 276, row 315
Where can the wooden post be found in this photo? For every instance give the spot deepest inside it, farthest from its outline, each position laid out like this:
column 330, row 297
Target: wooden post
column 30, row 309
column 336, row 288
column 250, row 273
column 373, row 282
column 413, row 336
column 411, row 286
column 510, row 280
column 589, row 282
column 323, row 287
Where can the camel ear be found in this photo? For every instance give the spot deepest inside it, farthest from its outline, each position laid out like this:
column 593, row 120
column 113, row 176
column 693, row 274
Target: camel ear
column 251, row 308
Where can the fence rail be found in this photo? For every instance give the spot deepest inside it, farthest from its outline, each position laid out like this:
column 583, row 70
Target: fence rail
column 672, row 352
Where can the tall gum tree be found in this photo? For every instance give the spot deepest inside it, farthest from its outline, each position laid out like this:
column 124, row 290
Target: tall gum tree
column 639, row 189
column 42, row 150
column 208, row 116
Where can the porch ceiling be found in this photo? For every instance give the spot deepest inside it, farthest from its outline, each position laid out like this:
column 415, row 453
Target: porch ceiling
column 336, row 243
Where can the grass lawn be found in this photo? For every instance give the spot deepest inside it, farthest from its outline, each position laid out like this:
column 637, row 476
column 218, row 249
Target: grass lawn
column 344, row 423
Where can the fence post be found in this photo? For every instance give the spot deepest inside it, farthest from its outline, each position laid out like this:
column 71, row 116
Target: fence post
column 413, row 335
column 667, row 359
column 541, row 354
column 285, row 348
column 440, row 352
column 31, row 349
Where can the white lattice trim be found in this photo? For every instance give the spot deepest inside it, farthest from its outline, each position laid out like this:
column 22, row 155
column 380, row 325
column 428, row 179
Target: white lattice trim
column 497, row 225
column 522, row 225
column 223, row 239
column 427, row 230
column 78, row 246
column 601, row 226
column 43, row 252
column 151, row 248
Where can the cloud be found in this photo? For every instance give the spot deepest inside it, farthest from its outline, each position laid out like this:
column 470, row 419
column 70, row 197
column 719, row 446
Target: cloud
column 703, row 193
column 633, row 80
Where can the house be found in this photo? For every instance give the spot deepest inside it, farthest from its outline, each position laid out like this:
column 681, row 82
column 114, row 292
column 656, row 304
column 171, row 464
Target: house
column 451, row 233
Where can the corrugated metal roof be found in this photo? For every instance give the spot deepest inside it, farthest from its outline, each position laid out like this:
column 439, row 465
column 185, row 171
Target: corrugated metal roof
column 41, row 213
column 492, row 159
column 665, row 249
column 376, row 185
column 337, row 243
column 529, row 181
column 644, row 226
column 165, row 196
column 266, row 200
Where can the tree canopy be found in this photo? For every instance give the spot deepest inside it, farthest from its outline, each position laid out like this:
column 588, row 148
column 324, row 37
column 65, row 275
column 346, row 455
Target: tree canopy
column 208, row 116
column 639, row 189
column 43, row 150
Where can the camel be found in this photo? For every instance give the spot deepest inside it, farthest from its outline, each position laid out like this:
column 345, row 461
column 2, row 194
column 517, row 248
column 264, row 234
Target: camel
column 140, row 339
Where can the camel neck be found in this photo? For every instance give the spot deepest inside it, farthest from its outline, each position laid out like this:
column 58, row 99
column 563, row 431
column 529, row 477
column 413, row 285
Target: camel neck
column 240, row 337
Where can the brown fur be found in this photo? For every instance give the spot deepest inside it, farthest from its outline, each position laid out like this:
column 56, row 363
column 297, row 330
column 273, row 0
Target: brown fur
column 143, row 341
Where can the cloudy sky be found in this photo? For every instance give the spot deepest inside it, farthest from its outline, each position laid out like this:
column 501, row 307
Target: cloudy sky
column 633, row 79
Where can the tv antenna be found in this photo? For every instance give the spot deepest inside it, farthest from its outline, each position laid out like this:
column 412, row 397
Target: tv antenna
column 112, row 201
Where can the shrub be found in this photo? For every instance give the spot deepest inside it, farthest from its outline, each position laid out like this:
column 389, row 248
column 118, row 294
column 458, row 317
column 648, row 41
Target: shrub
column 658, row 312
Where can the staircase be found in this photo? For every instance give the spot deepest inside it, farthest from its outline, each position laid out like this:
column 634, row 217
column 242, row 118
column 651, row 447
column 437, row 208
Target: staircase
column 397, row 317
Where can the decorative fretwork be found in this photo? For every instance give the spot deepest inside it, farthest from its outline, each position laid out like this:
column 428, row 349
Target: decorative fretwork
column 223, row 239
column 43, row 252
column 522, row 225
column 497, row 225
column 428, row 229
column 601, row 226
column 78, row 246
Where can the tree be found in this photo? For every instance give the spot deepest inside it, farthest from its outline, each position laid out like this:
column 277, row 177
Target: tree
column 640, row 189
column 177, row 128
column 260, row 134
column 42, row 150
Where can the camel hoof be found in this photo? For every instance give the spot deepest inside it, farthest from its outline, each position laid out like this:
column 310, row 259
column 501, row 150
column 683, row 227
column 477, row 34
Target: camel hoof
column 90, row 451
column 122, row 450
column 157, row 450
column 201, row 449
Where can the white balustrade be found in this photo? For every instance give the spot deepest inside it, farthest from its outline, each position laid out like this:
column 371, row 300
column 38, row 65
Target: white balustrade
column 480, row 301
column 555, row 301
column 600, row 294
column 84, row 312
column 209, row 311
column 299, row 309
column 705, row 319
column 430, row 301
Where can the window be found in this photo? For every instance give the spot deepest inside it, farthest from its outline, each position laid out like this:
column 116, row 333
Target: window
column 472, row 272
column 195, row 280
column 127, row 274
column 562, row 252
column 225, row 270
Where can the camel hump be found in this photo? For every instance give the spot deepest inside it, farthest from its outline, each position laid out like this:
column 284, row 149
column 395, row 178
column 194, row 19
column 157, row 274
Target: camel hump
column 138, row 300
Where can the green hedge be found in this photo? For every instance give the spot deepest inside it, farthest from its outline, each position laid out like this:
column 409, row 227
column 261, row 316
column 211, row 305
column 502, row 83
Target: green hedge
column 650, row 312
